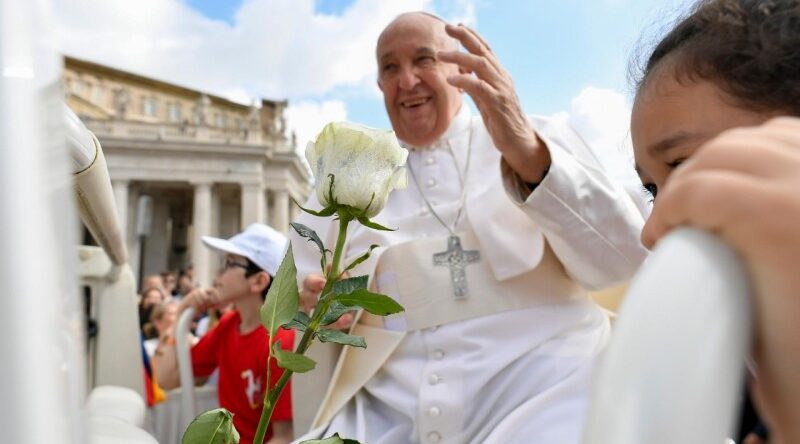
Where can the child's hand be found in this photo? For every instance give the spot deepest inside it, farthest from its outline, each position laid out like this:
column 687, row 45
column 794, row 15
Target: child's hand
column 201, row 299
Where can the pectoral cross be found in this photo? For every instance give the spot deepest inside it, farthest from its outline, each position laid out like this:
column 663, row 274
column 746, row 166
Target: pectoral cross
column 457, row 259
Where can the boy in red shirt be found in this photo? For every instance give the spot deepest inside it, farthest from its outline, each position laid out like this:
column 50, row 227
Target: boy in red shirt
column 238, row 345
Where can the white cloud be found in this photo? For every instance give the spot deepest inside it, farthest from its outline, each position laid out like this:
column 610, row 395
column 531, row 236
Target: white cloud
column 602, row 118
column 306, row 118
column 273, row 49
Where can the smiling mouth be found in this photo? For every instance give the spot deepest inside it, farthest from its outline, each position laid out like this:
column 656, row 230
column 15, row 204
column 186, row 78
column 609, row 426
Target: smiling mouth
column 414, row 103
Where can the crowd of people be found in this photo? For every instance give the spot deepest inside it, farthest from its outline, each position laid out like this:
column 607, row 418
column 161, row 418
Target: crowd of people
column 716, row 142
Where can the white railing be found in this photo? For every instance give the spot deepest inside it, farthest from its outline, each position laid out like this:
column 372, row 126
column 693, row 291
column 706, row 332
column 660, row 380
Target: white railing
column 169, row 132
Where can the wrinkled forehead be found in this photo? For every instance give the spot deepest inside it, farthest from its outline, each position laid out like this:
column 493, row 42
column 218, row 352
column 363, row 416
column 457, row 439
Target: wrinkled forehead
column 418, row 29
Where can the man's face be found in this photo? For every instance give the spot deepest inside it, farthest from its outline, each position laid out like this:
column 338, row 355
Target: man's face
column 185, row 285
column 419, row 101
column 169, row 282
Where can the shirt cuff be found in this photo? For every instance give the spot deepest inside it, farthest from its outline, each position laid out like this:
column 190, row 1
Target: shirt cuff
column 517, row 189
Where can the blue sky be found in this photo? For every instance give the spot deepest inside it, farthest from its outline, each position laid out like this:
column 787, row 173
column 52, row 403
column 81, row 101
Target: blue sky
column 553, row 49
column 567, row 57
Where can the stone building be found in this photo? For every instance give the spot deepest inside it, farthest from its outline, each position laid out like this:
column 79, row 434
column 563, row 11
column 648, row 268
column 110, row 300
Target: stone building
column 206, row 164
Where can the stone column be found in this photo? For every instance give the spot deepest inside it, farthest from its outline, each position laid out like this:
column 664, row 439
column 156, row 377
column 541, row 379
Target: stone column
column 252, row 204
column 120, row 188
column 157, row 247
column 280, row 220
column 201, row 226
column 267, row 213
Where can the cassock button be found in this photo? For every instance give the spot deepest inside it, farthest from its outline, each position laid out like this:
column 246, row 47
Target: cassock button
column 434, row 437
column 434, row 412
column 430, row 160
column 434, row 379
column 431, row 182
column 438, row 354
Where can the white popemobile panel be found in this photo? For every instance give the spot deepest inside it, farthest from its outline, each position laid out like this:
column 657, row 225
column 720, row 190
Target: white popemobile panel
column 674, row 369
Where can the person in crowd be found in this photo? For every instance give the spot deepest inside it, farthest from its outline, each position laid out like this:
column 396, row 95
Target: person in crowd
column 705, row 154
column 162, row 322
column 452, row 371
column 239, row 345
column 170, row 279
column 185, row 283
column 150, row 298
column 153, row 281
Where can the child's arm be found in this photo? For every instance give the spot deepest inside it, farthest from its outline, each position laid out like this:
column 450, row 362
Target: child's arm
column 165, row 359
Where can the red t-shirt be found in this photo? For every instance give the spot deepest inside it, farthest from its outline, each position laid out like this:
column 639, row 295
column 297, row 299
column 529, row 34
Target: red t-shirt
column 242, row 362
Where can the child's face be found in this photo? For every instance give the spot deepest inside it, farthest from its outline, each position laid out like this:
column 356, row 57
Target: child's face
column 671, row 120
column 232, row 282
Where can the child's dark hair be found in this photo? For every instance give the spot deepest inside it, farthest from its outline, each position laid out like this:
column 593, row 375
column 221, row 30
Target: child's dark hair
column 749, row 48
column 252, row 269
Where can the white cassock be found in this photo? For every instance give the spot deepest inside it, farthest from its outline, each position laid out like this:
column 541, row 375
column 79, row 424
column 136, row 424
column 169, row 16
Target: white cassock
column 513, row 376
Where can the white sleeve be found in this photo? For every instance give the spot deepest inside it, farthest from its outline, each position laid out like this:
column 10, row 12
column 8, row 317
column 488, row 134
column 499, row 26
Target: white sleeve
column 592, row 222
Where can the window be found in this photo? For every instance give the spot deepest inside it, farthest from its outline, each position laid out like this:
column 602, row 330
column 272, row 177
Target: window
column 220, row 120
column 77, row 87
column 175, row 112
column 149, row 106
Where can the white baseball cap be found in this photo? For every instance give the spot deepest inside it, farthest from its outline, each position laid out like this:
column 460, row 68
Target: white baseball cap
column 260, row 243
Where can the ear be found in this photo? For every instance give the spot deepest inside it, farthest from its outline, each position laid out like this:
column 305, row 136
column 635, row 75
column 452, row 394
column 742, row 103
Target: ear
column 260, row 282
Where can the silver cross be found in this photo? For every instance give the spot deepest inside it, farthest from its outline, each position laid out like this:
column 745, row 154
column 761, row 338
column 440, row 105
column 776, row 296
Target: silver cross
column 457, row 259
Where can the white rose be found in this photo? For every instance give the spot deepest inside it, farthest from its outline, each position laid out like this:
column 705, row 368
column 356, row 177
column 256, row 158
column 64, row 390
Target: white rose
column 366, row 163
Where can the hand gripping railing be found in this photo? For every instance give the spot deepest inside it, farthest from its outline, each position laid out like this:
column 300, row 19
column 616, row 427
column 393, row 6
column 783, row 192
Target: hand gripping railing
column 188, row 404
column 674, row 369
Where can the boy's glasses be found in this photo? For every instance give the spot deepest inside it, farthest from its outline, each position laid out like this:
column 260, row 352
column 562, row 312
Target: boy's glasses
column 230, row 263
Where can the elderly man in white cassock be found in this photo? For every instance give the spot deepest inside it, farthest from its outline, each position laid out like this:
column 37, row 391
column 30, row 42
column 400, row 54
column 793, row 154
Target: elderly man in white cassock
column 507, row 221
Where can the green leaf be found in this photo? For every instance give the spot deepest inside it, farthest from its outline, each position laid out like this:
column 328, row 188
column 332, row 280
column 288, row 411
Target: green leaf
column 349, row 285
column 325, row 212
column 340, row 337
column 335, row 439
column 344, row 286
column 331, row 194
column 335, row 311
column 299, row 322
column 375, row 226
column 292, row 361
column 309, row 234
column 360, row 259
column 212, row 427
column 377, row 304
column 283, row 297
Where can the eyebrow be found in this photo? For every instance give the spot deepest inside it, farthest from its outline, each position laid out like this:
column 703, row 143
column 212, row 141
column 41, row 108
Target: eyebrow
column 420, row 50
column 671, row 142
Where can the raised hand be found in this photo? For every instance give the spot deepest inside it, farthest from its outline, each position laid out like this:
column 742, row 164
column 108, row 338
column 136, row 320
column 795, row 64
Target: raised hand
column 491, row 88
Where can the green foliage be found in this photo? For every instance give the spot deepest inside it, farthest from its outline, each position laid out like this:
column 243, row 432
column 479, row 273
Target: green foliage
column 349, row 285
column 363, row 220
column 283, row 297
column 375, row 303
column 360, row 259
column 335, row 311
column 312, row 236
column 292, row 361
column 325, row 212
column 300, row 321
column 340, row 337
column 335, row 439
column 212, row 427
